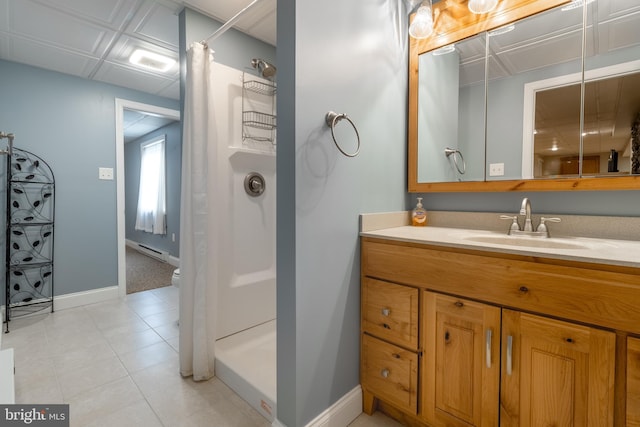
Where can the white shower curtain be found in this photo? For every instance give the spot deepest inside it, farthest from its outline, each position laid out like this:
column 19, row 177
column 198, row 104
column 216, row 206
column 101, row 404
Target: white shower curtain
column 197, row 252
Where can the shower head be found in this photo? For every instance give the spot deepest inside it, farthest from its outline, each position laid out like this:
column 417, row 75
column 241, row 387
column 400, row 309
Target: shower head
column 266, row 69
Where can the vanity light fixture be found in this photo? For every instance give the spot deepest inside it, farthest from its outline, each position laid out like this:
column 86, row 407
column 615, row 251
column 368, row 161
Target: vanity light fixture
column 445, row 49
column 575, row 4
column 422, row 25
column 482, row 6
column 152, row 61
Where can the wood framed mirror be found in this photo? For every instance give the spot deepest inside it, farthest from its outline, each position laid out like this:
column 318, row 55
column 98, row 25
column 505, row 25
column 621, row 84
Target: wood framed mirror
column 454, row 24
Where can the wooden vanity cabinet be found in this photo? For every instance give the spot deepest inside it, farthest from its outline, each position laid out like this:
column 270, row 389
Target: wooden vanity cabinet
column 633, row 382
column 503, row 340
column 389, row 344
column 461, row 363
column 555, row 373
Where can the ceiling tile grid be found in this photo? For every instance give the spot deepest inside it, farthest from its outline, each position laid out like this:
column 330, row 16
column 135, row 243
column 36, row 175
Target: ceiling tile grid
column 94, row 38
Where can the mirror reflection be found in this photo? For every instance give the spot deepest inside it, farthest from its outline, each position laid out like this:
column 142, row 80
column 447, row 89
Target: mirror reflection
column 610, row 108
column 451, row 112
column 535, row 125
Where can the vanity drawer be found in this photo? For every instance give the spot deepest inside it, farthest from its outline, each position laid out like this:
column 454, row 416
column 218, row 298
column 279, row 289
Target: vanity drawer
column 390, row 311
column 390, row 373
column 581, row 292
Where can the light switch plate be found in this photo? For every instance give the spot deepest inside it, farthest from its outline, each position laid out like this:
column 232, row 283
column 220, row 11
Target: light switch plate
column 496, row 169
column 105, row 173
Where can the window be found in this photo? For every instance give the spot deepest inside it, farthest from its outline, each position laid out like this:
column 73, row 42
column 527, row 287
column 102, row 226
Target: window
column 152, row 195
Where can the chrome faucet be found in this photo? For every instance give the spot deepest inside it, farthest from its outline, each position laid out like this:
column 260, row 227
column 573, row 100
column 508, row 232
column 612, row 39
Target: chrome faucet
column 527, row 228
column 525, row 210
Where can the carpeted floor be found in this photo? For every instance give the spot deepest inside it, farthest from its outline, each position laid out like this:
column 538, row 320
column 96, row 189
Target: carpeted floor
column 144, row 272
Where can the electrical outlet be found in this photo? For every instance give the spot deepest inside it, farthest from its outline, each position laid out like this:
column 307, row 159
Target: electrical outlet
column 173, row 237
column 496, row 169
column 105, row 173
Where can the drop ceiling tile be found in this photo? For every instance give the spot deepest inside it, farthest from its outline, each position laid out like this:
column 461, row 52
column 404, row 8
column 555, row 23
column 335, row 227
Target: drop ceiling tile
column 156, row 22
column 112, row 13
column 37, row 22
column 4, row 46
column 119, row 75
column 4, row 15
column 619, row 33
column 49, row 57
column 171, row 91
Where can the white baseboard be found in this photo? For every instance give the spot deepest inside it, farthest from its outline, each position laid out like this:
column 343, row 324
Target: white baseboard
column 77, row 299
column 170, row 259
column 340, row 414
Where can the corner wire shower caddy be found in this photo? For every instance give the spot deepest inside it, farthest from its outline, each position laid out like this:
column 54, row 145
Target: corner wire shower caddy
column 30, row 211
column 257, row 124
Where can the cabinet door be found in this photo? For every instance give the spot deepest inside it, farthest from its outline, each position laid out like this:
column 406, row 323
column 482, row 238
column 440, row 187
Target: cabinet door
column 555, row 373
column 633, row 382
column 461, row 363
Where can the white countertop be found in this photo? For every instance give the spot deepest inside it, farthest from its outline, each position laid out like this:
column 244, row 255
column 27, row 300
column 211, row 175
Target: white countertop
column 600, row 251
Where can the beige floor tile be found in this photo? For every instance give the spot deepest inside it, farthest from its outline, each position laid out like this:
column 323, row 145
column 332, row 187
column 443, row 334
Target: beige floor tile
column 46, row 392
column 133, row 325
column 168, row 294
column 74, row 382
column 128, row 342
column 138, row 414
column 168, row 331
column 160, row 319
column 148, row 356
column 174, row 342
column 378, row 419
column 69, row 343
column 80, row 357
column 103, row 401
column 147, row 309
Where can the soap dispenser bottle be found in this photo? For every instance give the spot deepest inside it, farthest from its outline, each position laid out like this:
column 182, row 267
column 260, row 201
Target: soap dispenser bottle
column 419, row 214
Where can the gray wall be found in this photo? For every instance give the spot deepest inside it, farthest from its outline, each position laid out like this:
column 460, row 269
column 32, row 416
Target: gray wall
column 70, row 123
column 351, row 57
column 173, row 161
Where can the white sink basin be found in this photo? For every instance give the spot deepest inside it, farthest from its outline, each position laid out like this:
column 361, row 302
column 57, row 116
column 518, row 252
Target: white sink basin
column 531, row 242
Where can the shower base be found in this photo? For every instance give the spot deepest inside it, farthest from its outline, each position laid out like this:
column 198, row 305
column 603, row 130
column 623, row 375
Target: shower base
column 246, row 362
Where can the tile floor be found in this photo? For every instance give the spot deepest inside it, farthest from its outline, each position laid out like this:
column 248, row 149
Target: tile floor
column 116, row 364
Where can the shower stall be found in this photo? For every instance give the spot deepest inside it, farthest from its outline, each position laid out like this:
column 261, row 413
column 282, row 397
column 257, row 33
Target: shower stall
column 246, row 194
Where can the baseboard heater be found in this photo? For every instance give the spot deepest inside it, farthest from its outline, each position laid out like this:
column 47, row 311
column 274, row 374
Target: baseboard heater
column 152, row 252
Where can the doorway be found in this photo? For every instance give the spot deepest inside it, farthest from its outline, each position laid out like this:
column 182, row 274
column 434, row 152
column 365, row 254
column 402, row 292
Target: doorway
column 122, row 106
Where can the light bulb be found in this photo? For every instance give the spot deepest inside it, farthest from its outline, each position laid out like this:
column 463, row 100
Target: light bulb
column 482, row 6
column 422, row 25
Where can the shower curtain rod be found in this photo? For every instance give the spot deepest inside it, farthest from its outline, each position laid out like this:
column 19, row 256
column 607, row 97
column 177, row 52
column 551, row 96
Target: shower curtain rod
column 230, row 22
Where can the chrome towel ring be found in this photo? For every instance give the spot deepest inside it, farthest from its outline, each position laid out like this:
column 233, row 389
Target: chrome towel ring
column 332, row 118
column 456, row 153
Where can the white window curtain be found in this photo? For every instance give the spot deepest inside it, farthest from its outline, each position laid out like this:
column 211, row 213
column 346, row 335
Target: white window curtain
column 152, row 192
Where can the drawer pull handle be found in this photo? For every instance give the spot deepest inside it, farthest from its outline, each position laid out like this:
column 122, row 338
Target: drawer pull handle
column 569, row 340
column 385, row 373
column 446, row 337
column 488, row 349
column 395, row 355
column 524, row 289
column 459, row 304
column 386, row 311
column 509, row 355
column 386, row 326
